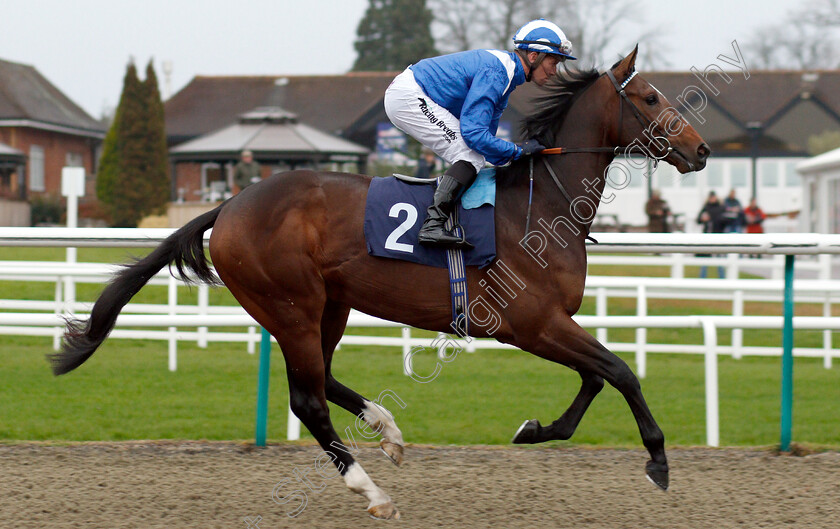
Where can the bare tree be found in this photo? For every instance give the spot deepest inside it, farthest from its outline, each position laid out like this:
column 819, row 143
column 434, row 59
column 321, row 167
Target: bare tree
column 591, row 25
column 807, row 40
column 812, row 47
column 455, row 24
column 469, row 24
column 653, row 51
column 763, row 48
column 822, row 13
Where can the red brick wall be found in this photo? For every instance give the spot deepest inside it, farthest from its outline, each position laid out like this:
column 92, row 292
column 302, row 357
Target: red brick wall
column 188, row 178
column 56, row 147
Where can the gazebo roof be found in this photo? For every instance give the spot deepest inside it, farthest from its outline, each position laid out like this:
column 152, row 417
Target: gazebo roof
column 269, row 132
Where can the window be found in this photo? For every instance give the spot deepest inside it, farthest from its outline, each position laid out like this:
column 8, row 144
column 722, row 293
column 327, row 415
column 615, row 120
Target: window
column 36, row 168
column 792, row 178
column 768, row 171
column 738, row 174
column 714, row 174
column 689, row 180
column 623, row 173
column 74, row 159
column 834, row 206
column 638, row 173
column 667, row 176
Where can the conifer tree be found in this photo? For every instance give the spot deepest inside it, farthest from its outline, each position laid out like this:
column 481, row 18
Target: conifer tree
column 158, row 176
column 133, row 180
column 108, row 172
column 394, row 34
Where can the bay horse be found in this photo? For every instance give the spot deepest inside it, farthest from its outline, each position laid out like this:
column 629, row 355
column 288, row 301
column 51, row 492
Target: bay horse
column 292, row 251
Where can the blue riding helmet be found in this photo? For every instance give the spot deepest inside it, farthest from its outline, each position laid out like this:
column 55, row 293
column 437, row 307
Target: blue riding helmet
column 543, row 37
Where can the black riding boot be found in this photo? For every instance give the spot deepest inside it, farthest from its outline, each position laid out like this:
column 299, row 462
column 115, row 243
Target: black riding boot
column 451, row 184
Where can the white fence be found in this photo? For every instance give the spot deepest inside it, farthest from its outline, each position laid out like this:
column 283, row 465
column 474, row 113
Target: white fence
column 818, row 267
column 44, row 317
column 201, row 316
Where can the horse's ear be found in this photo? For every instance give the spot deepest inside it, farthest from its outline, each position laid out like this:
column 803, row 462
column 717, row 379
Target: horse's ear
column 626, row 65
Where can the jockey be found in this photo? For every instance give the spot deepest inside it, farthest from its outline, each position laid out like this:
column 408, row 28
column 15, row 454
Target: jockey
column 452, row 105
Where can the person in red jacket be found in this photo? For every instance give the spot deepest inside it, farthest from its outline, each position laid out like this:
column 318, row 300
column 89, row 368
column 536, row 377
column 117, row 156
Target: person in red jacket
column 755, row 217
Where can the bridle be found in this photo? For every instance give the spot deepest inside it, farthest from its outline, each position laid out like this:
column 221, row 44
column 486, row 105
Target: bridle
column 643, row 120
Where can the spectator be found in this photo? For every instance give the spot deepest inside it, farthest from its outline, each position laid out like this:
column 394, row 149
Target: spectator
column 754, row 217
column 657, row 211
column 712, row 219
column 733, row 214
column 247, row 171
column 426, row 165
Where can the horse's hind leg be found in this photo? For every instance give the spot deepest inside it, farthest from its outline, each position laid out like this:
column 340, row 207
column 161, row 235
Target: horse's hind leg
column 297, row 329
column 374, row 414
column 579, row 350
column 563, row 428
column 333, row 323
column 306, row 374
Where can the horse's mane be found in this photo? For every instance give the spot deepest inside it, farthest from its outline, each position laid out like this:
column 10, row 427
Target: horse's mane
column 558, row 96
column 552, row 106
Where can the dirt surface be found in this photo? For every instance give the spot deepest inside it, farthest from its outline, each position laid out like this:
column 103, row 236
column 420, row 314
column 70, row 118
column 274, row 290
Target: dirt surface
column 226, row 485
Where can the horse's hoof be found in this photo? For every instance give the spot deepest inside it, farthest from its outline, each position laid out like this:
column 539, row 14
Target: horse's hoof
column 385, row 511
column 527, row 433
column 657, row 474
column 393, row 451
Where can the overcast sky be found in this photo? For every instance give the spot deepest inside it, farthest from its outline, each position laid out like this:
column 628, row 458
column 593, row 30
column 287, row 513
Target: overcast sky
column 83, row 46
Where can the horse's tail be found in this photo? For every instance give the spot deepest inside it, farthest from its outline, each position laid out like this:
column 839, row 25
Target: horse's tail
column 185, row 248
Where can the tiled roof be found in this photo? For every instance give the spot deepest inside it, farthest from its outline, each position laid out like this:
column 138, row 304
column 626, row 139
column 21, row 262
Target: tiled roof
column 26, row 95
column 331, row 103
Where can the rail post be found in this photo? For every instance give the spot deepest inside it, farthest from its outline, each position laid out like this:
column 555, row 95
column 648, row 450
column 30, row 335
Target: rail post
column 710, row 361
column 262, row 388
column 641, row 332
column 787, row 358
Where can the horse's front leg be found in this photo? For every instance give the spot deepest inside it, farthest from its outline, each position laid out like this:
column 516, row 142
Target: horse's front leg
column 532, row 431
column 563, row 341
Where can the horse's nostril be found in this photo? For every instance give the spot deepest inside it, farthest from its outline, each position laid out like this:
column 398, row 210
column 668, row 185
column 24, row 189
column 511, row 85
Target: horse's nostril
column 703, row 151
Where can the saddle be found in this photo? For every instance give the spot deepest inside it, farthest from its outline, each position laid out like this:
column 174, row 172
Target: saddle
column 394, row 213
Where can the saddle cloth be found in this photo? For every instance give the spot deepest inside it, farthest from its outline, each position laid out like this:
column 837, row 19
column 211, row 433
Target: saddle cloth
column 395, row 211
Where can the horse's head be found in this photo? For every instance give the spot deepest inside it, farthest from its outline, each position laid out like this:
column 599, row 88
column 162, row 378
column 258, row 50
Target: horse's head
column 647, row 123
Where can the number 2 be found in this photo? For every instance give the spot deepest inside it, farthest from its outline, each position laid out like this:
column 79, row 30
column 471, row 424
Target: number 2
column 391, row 243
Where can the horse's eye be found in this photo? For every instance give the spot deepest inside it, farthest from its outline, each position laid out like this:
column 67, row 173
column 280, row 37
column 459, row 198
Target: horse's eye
column 652, row 99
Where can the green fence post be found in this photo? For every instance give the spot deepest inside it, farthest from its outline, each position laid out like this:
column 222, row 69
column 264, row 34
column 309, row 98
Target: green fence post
column 262, row 388
column 787, row 358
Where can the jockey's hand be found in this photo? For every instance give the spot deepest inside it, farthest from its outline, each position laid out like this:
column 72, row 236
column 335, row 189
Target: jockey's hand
column 531, row 147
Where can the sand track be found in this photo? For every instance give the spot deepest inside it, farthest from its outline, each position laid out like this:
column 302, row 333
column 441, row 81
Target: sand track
column 193, row 484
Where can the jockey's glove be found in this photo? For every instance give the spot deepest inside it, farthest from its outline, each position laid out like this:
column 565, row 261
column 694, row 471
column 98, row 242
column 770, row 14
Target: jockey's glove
column 531, row 147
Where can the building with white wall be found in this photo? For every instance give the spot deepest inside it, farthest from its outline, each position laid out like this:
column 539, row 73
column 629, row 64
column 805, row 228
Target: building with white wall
column 821, row 193
column 778, row 184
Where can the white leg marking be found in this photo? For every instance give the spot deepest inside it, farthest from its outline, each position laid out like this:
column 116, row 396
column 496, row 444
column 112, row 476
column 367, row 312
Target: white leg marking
column 382, row 421
column 359, row 482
